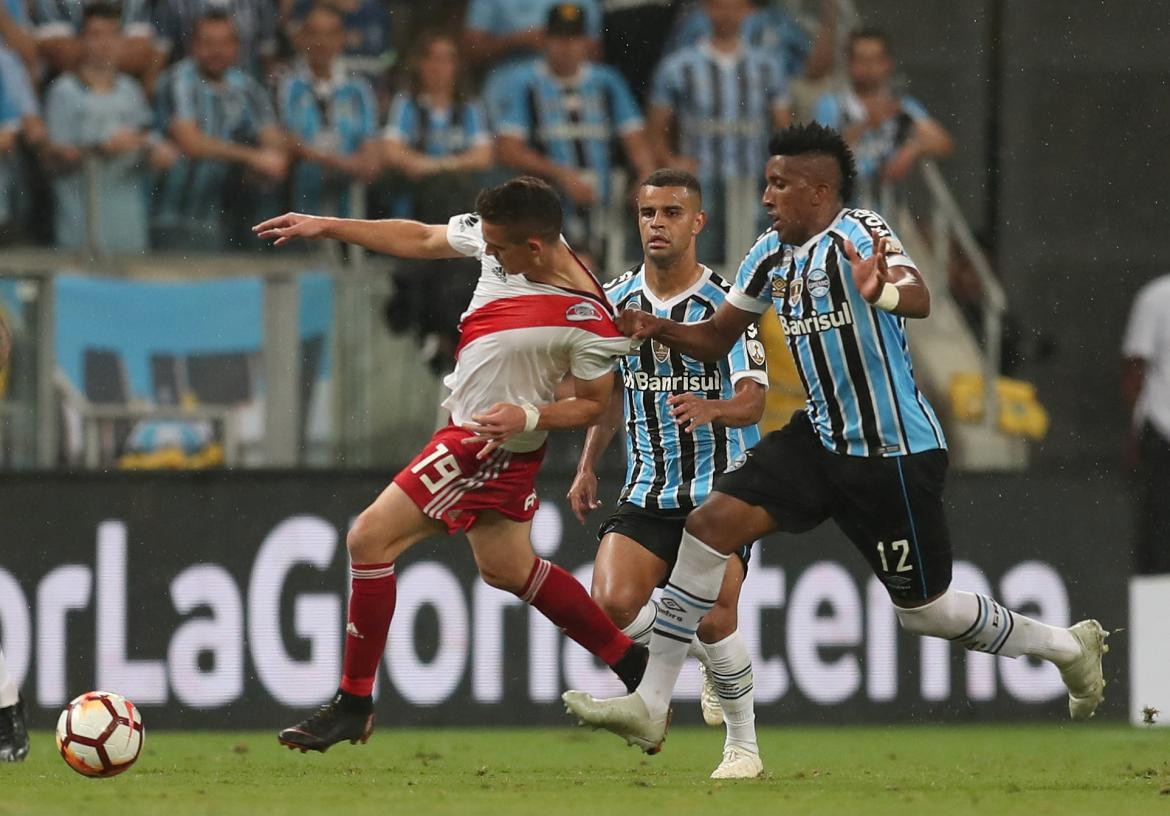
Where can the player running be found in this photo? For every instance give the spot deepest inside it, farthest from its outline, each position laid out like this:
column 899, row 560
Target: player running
column 867, row 451
column 13, row 728
column 686, row 421
column 537, row 314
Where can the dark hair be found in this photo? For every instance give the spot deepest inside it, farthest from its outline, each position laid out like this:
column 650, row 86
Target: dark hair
column 801, row 139
column 100, row 11
column 523, row 204
column 325, row 8
column 869, row 33
column 213, row 16
column 672, row 177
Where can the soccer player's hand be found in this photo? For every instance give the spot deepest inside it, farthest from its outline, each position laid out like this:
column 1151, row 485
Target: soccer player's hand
column 494, row 426
column 871, row 274
column 582, row 494
column 692, row 411
column 284, row 228
column 636, row 324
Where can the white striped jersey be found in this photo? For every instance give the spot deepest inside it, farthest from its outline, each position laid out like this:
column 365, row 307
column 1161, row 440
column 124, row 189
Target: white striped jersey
column 853, row 359
column 518, row 339
column 666, row 467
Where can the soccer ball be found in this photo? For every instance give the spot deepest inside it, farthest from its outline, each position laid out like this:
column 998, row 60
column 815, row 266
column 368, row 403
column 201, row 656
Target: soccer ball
column 100, row 734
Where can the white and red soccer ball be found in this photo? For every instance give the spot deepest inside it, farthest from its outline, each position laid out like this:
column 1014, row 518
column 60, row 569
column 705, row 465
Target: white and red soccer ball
column 100, row 734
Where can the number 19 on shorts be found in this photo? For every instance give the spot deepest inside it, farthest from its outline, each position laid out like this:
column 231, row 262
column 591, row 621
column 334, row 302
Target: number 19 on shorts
column 444, row 468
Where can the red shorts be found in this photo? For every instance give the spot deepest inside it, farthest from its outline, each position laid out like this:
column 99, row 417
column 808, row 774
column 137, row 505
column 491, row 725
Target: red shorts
column 450, row 485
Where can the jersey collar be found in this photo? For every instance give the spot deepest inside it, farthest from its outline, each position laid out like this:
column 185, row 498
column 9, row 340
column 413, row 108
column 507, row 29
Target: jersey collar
column 805, row 248
column 652, row 299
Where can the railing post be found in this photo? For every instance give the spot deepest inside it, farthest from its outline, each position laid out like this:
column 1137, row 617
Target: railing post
column 45, row 407
column 91, row 165
column 281, row 354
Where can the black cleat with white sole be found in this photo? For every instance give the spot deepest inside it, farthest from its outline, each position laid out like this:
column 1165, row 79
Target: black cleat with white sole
column 345, row 717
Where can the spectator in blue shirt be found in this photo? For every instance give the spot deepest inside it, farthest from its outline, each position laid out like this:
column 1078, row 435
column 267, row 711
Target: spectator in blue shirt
column 507, row 31
column 712, row 110
column 438, row 143
column 888, row 132
column 559, row 117
column 19, row 90
column 16, row 32
column 15, row 96
column 58, row 32
column 97, row 122
column 369, row 38
column 770, row 27
column 332, row 117
column 222, row 121
column 254, row 21
column 436, row 136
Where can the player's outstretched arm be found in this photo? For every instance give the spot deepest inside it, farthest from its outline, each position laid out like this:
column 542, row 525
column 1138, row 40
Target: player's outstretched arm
column 582, row 493
column 394, row 236
column 708, row 340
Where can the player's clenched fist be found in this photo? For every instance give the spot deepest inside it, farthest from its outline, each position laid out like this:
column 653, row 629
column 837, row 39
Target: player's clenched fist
column 637, row 324
column 284, row 228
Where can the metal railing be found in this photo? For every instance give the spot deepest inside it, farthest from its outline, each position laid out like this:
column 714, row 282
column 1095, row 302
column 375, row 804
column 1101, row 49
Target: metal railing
column 948, row 223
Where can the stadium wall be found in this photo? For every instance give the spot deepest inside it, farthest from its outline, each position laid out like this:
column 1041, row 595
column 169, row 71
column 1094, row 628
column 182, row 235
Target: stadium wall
column 217, row 600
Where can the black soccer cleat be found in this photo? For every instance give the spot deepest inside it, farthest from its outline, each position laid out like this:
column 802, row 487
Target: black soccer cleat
column 13, row 733
column 345, row 717
column 631, row 666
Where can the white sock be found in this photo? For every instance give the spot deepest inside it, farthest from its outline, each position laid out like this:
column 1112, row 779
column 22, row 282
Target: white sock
column 9, row 693
column 982, row 624
column 640, row 627
column 731, row 672
column 689, row 594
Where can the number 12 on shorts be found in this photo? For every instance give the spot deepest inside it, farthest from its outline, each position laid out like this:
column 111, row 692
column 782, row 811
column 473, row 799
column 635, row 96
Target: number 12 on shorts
column 899, row 549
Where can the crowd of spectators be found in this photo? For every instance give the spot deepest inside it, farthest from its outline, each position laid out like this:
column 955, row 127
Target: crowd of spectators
column 173, row 124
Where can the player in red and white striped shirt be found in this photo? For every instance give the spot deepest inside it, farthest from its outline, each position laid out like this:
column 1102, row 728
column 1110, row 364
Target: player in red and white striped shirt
column 537, row 315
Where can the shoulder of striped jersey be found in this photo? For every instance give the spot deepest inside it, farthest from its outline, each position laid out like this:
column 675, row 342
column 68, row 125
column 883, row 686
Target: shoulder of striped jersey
column 768, row 243
column 867, row 221
column 719, row 281
column 620, row 279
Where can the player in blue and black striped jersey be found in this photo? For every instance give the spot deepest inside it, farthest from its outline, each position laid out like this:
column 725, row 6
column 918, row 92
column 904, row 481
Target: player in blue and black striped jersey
column 686, row 423
column 866, row 452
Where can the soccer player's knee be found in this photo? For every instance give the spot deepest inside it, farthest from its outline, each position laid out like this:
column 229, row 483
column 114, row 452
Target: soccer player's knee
column 707, row 525
column 939, row 618
column 718, row 624
column 620, row 605
column 362, row 540
column 500, row 576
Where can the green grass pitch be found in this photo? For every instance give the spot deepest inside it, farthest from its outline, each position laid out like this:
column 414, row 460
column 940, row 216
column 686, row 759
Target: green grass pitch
column 1100, row 769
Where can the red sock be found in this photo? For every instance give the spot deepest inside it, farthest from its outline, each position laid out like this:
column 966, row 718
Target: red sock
column 371, row 605
column 563, row 600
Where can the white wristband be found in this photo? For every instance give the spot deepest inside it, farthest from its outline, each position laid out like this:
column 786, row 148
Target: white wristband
column 531, row 416
column 888, row 299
